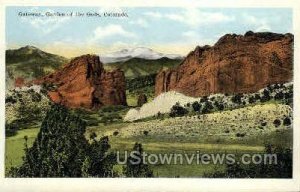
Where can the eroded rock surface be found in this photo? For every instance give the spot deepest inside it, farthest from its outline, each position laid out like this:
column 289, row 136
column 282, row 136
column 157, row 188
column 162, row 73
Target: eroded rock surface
column 84, row 83
column 235, row 64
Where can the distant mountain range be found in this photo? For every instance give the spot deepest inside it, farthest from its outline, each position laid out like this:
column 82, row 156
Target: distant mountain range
column 29, row 62
column 138, row 52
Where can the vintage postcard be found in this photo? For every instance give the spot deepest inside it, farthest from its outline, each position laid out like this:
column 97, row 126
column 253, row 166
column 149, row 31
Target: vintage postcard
column 164, row 93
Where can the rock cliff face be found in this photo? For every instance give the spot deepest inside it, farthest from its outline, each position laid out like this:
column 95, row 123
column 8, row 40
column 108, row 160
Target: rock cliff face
column 235, row 64
column 84, row 83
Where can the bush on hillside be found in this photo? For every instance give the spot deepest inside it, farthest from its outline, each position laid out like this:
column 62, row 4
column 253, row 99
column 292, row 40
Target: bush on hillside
column 135, row 165
column 282, row 169
column 177, row 111
column 277, row 122
column 196, row 106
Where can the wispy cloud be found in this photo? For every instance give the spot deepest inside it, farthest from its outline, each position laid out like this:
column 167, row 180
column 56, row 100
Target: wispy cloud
column 194, row 37
column 259, row 24
column 45, row 24
column 102, row 32
column 153, row 14
column 189, row 34
column 111, row 9
column 193, row 17
column 140, row 22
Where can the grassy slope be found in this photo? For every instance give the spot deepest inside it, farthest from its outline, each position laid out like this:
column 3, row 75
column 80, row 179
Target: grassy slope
column 189, row 136
column 30, row 62
column 14, row 146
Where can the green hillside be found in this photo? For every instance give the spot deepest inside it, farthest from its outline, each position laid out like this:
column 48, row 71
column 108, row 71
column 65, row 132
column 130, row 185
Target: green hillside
column 30, row 62
column 137, row 67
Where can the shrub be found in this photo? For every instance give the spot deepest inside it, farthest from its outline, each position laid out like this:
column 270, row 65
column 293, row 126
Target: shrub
column 142, row 99
column 237, row 98
column 146, row 133
column 240, row 134
column 203, row 99
column 266, row 96
column 279, row 96
column 10, row 99
column 263, row 123
column 115, row 133
column 135, row 166
column 36, row 97
column 287, row 121
column 177, row 111
column 159, row 114
column 207, row 107
column 257, row 96
column 196, row 106
column 277, row 122
column 252, row 99
column 11, row 129
column 219, row 106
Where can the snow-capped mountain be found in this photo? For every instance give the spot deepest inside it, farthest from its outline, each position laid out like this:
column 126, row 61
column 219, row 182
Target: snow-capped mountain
column 138, row 52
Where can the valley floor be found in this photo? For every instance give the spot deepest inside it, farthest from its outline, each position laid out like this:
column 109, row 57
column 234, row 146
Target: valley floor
column 244, row 130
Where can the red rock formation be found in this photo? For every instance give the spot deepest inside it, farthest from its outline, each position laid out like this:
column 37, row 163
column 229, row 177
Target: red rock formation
column 235, row 64
column 19, row 82
column 84, row 83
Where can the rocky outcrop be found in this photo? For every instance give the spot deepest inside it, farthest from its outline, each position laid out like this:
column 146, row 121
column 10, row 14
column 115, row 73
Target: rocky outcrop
column 19, row 82
column 235, row 64
column 84, row 83
column 142, row 99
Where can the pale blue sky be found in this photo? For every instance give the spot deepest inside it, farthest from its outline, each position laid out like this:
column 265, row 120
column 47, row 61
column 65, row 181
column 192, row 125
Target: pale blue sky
column 169, row 30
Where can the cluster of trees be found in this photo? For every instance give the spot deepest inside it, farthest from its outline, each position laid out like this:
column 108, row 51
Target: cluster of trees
column 283, row 168
column 286, row 121
column 61, row 150
column 206, row 104
column 278, row 92
column 140, row 82
column 202, row 107
column 177, row 110
column 17, row 96
column 25, row 108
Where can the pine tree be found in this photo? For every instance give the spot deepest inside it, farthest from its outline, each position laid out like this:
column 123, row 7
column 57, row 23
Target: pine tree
column 135, row 165
column 61, row 150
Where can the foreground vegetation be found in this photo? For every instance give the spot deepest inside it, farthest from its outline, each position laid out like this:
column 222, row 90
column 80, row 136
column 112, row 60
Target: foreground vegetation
column 61, row 150
column 242, row 125
column 122, row 137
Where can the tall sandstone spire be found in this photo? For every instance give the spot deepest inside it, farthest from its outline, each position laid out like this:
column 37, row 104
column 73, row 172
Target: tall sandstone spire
column 84, row 83
column 235, row 64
